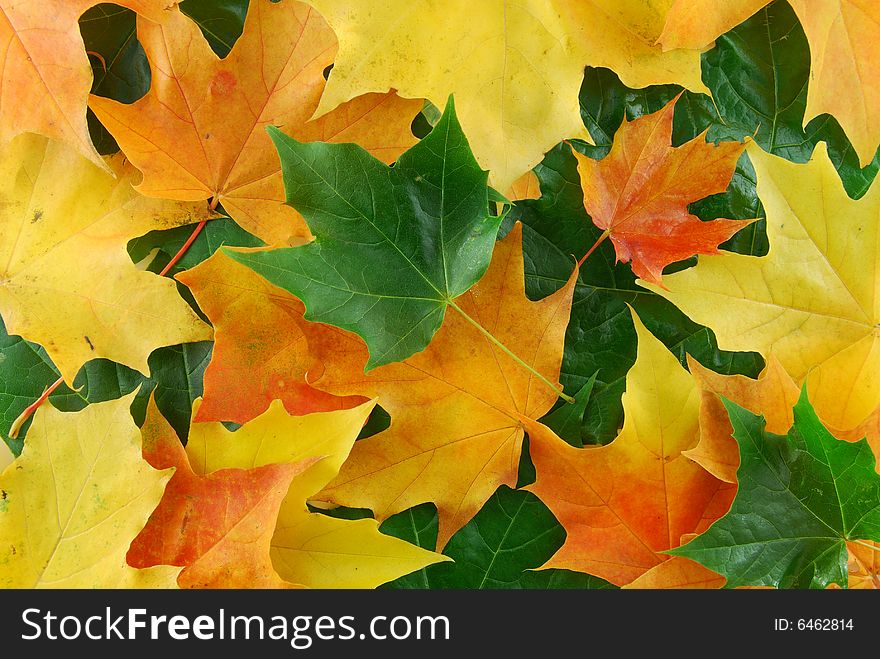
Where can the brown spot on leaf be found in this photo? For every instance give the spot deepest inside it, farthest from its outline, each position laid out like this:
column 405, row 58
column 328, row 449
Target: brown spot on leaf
column 223, row 83
column 38, row 215
column 89, row 341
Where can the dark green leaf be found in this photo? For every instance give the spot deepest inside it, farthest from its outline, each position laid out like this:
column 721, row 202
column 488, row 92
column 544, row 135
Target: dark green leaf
column 176, row 377
column 394, row 246
column 758, row 73
column 120, row 68
column 567, row 418
column 216, row 234
column 221, row 21
column 800, row 498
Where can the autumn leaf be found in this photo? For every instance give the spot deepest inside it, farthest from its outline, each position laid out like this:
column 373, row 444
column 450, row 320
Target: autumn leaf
column 201, row 131
column 309, row 548
column 868, row 429
column 67, row 282
column 219, row 526
column 456, row 407
column 426, row 221
column 639, row 194
column 812, row 301
column 75, row 499
column 261, row 345
column 864, row 565
column 788, row 525
column 45, row 70
column 772, row 395
column 526, row 186
column 678, row 573
column 514, row 68
column 625, row 503
column 697, row 23
column 842, row 35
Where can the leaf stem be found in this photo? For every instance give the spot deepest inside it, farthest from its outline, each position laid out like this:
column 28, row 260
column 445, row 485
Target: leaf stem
column 564, row 396
column 30, row 409
column 592, row 249
column 189, row 241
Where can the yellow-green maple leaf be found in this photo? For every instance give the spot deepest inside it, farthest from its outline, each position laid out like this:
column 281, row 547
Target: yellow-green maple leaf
column 74, row 500
column 814, row 300
column 309, row 548
column 514, row 67
column 66, row 281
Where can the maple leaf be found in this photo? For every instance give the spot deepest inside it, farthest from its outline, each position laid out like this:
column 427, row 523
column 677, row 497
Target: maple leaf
column 812, row 301
column 46, row 74
column 219, row 526
column 639, row 193
column 66, row 281
column 426, row 221
column 624, row 503
column 261, row 345
column 842, row 33
column 772, row 395
column 788, row 525
column 71, row 504
column 200, row 132
column 514, row 67
column 455, row 407
column 309, row 548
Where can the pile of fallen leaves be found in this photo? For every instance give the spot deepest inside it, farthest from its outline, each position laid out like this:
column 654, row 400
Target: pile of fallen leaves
column 344, row 293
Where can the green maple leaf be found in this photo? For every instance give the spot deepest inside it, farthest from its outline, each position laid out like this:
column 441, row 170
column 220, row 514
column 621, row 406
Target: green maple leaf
column 394, row 246
column 800, row 498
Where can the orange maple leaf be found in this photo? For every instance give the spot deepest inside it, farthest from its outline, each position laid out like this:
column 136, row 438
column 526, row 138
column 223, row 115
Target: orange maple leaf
column 46, row 76
column 679, row 573
column 624, row 503
column 639, row 194
column 864, row 565
column 261, row 346
column 457, row 407
column 218, row 526
column 200, row 132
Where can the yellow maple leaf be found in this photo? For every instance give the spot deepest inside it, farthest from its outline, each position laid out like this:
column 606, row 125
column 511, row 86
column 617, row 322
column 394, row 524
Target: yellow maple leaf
column 74, row 500
column 45, row 79
column 201, row 130
column 814, row 300
column 66, row 281
column 514, row 67
column 309, row 548
column 844, row 72
column 6, row 456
